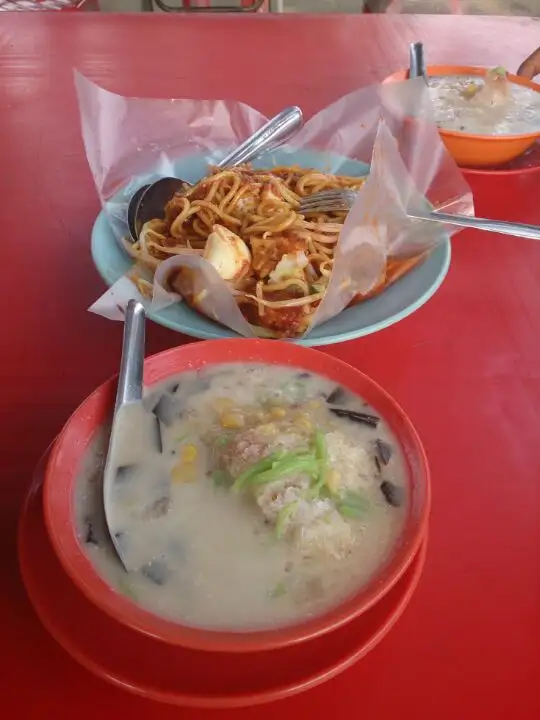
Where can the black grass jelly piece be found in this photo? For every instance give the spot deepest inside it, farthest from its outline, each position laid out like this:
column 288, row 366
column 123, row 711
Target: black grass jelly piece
column 384, row 451
column 157, row 509
column 124, row 472
column 393, row 494
column 156, row 571
column 158, row 438
column 357, row 417
column 90, row 534
column 167, row 409
column 337, row 396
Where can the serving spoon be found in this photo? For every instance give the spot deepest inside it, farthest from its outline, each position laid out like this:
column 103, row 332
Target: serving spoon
column 417, row 64
column 149, row 200
column 128, row 396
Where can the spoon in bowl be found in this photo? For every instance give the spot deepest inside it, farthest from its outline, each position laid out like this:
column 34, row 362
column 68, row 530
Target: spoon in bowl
column 417, row 64
column 149, row 200
column 132, row 426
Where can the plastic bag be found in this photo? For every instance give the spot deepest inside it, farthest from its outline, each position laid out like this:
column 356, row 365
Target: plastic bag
column 130, row 141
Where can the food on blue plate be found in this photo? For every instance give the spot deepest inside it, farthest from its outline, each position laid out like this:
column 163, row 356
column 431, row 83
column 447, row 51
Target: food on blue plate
column 272, row 495
column 246, row 223
column 485, row 105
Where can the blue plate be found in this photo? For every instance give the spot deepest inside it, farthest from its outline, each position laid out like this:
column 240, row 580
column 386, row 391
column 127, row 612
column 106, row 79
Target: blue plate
column 395, row 303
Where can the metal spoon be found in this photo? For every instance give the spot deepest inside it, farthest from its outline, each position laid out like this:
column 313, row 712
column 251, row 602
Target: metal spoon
column 132, row 210
column 417, row 64
column 129, row 393
column 149, row 201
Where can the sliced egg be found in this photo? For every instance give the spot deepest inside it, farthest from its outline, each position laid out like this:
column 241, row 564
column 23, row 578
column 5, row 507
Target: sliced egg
column 228, row 253
column 291, row 265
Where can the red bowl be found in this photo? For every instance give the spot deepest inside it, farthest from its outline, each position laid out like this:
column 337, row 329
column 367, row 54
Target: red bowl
column 77, row 435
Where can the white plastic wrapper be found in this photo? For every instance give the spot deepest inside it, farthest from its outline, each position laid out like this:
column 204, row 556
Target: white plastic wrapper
column 131, row 141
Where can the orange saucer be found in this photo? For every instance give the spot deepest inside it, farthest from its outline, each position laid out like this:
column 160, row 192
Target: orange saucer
column 170, row 674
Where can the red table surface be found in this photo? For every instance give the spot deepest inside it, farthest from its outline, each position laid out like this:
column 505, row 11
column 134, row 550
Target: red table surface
column 466, row 367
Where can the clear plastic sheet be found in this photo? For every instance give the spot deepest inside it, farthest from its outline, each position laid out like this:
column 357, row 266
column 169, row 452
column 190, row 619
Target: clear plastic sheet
column 131, row 141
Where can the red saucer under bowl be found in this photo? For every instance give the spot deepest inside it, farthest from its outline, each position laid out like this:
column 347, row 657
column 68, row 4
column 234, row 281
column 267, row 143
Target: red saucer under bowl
column 175, row 675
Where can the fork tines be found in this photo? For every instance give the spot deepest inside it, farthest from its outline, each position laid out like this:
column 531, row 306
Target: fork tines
column 328, row 200
column 323, row 206
column 327, row 194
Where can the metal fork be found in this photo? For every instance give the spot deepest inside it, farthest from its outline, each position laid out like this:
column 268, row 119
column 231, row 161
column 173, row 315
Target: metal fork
column 342, row 200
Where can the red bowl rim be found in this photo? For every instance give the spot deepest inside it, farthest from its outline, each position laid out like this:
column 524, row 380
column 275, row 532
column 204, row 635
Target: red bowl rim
column 94, row 411
column 472, row 70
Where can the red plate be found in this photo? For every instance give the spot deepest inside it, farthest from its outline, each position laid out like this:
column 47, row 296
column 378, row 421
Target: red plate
column 529, row 162
column 176, row 675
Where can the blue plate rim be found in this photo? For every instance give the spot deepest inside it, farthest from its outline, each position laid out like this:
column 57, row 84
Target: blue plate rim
column 333, row 339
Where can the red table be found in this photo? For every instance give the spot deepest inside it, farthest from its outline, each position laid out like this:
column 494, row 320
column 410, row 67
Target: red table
column 466, row 366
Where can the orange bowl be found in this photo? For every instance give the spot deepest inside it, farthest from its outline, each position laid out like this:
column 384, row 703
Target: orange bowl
column 76, row 437
column 471, row 150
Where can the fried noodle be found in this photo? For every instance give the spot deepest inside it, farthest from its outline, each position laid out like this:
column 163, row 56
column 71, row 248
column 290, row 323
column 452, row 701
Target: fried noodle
column 277, row 261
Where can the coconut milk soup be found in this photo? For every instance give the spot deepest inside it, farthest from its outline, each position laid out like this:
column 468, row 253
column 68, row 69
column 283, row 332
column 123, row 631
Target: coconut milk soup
column 484, row 106
column 262, row 497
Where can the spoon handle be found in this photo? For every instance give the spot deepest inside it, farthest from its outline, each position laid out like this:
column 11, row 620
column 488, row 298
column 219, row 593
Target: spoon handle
column 417, row 64
column 276, row 131
column 130, row 379
column 497, row 226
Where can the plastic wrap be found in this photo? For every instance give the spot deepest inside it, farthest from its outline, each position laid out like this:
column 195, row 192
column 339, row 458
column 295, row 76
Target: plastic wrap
column 131, row 141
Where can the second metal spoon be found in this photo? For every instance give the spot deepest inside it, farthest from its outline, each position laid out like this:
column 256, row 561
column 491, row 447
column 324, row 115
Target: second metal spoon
column 417, row 64
column 128, row 395
column 149, row 201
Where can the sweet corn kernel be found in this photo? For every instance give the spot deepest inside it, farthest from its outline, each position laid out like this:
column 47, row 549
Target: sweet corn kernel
column 278, row 412
column 333, row 480
column 183, row 472
column 470, row 90
column 268, row 429
column 232, row 421
column 304, row 423
column 189, row 453
column 222, row 404
column 314, row 404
